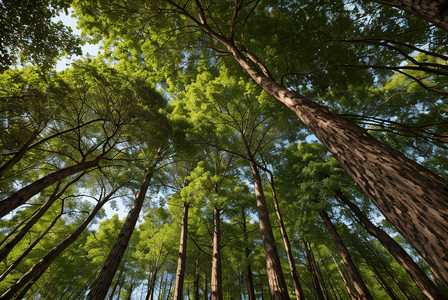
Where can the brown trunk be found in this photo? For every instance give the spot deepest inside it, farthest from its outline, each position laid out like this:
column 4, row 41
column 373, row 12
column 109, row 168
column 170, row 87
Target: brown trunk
column 216, row 280
column 180, row 273
column 196, row 277
column 347, row 287
column 411, row 197
column 249, row 278
column 229, row 286
column 401, row 256
column 276, row 280
column 45, row 262
column 42, row 210
column 433, row 11
column 112, row 294
column 30, row 247
column 23, row 195
column 312, row 270
column 101, row 285
column 352, row 271
column 292, row 265
column 19, row 154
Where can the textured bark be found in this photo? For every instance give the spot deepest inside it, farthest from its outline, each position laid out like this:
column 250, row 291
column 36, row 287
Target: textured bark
column 411, row 197
column 23, row 195
column 101, row 285
column 347, row 287
column 274, row 271
column 352, row 271
column 312, row 270
column 180, row 273
column 401, row 256
column 292, row 266
column 216, row 280
column 433, row 11
column 46, row 261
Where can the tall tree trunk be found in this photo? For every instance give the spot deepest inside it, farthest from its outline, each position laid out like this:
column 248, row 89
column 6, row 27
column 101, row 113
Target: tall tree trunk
column 356, row 278
column 277, row 284
column 206, row 286
column 23, row 195
column 32, row 245
column 347, row 287
column 433, row 11
column 249, row 278
column 312, row 269
column 99, row 289
column 180, row 273
column 411, row 197
column 216, row 280
column 292, row 266
column 229, row 286
column 42, row 210
column 120, row 275
column 401, row 256
column 46, row 261
column 196, row 277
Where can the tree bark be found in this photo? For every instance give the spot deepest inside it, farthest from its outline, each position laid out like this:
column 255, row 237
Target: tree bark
column 46, row 261
column 356, row 278
column 196, row 277
column 180, row 273
column 401, row 256
column 433, row 11
column 277, row 284
column 347, row 287
column 101, row 285
column 23, row 195
column 216, row 280
column 312, row 270
column 292, row 266
column 411, row 197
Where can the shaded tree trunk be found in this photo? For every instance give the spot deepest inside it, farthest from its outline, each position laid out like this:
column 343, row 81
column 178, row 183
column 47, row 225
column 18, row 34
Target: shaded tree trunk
column 180, row 273
column 276, row 280
column 196, row 277
column 216, row 280
column 249, row 279
column 292, row 266
column 102, row 283
column 23, row 195
column 46, row 261
column 312, row 270
column 356, row 278
column 347, row 287
column 433, row 11
column 401, row 256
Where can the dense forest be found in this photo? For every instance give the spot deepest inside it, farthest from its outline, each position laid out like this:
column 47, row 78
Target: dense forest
column 261, row 149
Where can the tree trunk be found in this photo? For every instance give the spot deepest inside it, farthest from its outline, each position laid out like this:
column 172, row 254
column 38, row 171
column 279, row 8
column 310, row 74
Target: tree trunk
column 229, row 286
column 347, row 287
column 401, row 256
column 292, row 266
column 276, row 280
column 216, row 280
column 31, row 246
column 412, row 198
column 356, row 278
column 99, row 289
column 46, row 261
column 42, row 210
column 180, row 273
column 196, row 277
column 206, row 286
column 23, row 195
column 433, row 11
column 312, row 270
column 249, row 279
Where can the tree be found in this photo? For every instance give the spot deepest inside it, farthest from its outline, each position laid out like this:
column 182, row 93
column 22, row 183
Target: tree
column 398, row 186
